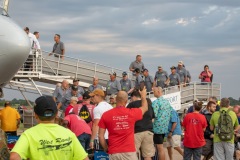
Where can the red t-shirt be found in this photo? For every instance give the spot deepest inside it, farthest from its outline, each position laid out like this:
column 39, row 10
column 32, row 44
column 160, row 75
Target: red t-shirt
column 206, row 77
column 77, row 125
column 90, row 107
column 194, row 123
column 120, row 123
column 68, row 109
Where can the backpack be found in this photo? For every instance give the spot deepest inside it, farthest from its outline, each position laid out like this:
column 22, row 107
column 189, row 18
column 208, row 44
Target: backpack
column 225, row 126
column 85, row 114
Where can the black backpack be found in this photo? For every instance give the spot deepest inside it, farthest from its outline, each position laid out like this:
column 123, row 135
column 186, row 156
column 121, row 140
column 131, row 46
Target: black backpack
column 85, row 114
column 225, row 126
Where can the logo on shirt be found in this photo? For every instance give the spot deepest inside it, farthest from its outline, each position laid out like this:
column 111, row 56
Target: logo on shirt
column 53, row 145
column 194, row 121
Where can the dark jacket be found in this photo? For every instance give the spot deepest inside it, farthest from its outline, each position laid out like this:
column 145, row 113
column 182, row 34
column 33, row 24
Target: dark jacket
column 207, row 132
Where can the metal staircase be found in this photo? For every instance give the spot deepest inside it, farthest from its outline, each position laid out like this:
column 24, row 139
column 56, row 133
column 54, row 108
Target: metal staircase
column 52, row 70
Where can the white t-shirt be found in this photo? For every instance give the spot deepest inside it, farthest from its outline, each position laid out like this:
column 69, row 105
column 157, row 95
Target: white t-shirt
column 98, row 112
column 33, row 41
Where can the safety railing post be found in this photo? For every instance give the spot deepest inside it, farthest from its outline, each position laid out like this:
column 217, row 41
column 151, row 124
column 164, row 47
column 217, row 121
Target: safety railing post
column 58, row 64
column 194, row 91
column 95, row 69
column 77, row 69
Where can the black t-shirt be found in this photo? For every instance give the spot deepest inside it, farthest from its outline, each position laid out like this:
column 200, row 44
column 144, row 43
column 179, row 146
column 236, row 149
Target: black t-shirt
column 144, row 124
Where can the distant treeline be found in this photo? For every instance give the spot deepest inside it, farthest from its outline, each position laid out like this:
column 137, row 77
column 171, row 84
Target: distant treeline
column 234, row 102
column 16, row 102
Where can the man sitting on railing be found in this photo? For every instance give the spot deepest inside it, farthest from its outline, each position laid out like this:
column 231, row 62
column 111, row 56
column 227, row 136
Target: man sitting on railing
column 58, row 47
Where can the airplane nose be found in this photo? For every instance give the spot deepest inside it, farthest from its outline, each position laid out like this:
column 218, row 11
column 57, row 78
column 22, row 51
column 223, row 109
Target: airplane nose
column 14, row 48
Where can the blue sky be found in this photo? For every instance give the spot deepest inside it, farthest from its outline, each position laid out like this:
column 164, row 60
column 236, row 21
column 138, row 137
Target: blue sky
column 112, row 32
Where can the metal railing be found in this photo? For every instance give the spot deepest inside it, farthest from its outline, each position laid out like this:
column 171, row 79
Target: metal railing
column 33, row 65
column 78, row 68
column 193, row 91
column 41, row 65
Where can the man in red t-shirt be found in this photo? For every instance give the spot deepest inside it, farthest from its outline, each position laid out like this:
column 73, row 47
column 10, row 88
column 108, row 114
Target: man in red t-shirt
column 80, row 128
column 69, row 108
column 194, row 125
column 120, row 123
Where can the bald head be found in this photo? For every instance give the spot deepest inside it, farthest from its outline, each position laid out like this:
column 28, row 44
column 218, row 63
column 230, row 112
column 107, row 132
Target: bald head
column 121, row 98
column 236, row 109
column 157, row 91
column 65, row 84
column 95, row 80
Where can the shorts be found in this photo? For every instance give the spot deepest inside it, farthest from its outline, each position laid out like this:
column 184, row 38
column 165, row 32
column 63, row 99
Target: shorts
column 208, row 147
column 125, row 156
column 174, row 141
column 158, row 138
column 144, row 142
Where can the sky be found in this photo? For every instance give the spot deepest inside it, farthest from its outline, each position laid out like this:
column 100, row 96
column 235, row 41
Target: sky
column 113, row 32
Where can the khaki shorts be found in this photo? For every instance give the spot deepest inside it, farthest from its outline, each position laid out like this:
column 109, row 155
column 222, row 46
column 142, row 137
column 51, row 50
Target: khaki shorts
column 144, row 141
column 175, row 141
column 123, row 156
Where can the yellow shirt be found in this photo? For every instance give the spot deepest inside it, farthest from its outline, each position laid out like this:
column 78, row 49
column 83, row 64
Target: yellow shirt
column 9, row 117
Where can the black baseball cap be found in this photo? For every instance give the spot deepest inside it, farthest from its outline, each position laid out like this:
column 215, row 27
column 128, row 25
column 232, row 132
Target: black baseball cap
column 74, row 88
column 76, row 80
column 124, row 73
column 137, row 70
column 145, row 69
column 173, row 67
column 86, row 95
column 45, row 106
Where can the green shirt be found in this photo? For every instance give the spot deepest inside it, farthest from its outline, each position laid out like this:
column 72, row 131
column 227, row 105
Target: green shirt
column 214, row 122
column 49, row 141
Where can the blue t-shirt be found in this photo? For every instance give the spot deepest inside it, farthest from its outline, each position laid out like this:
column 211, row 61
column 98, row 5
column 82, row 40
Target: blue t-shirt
column 175, row 118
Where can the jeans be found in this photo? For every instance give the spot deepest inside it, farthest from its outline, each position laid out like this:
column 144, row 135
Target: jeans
column 195, row 152
column 84, row 139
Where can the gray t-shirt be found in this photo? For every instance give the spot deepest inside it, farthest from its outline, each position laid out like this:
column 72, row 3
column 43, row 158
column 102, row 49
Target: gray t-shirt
column 148, row 83
column 126, row 84
column 174, row 79
column 182, row 74
column 113, row 87
column 66, row 99
column 58, row 93
column 138, row 81
column 161, row 78
column 136, row 64
column 92, row 87
column 58, row 47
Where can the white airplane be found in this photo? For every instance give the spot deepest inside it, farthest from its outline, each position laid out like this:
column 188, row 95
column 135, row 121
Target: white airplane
column 14, row 48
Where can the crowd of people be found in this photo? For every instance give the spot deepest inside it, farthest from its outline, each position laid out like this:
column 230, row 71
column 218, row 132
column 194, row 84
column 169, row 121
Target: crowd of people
column 124, row 131
column 106, row 120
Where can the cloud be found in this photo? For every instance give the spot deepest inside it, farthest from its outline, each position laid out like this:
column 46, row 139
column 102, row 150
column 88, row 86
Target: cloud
column 150, row 21
column 164, row 32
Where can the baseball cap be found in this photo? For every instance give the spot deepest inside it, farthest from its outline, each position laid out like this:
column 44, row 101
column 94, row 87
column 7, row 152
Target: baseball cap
column 173, row 67
column 159, row 66
column 124, row 73
column 76, row 80
column 97, row 92
column 45, row 106
column 74, row 98
column 137, row 70
column 113, row 73
column 86, row 95
column 180, row 62
column 145, row 69
column 74, row 88
column 112, row 96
